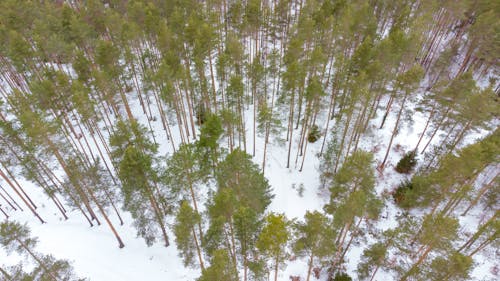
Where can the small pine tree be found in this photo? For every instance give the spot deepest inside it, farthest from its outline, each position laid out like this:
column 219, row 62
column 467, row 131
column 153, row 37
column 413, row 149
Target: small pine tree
column 400, row 194
column 407, row 163
column 342, row 277
column 314, row 134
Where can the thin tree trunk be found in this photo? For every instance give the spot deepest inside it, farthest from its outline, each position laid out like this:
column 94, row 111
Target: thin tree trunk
column 374, row 272
column 9, row 278
column 381, row 167
column 198, row 250
column 276, row 268
column 481, row 192
column 22, row 198
column 309, row 267
column 9, row 201
column 106, row 218
column 419, row 261
column 4, row 213
column 42, row 265
column 158, row 217
column 425, row 128
column 330, row 112
column 290, row 129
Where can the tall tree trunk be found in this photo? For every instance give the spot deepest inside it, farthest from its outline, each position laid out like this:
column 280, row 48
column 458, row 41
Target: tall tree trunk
column 309, row 267
column 381, row 167
column 415, row 265
column 158, row 216
column 32, row 254
column 22, row 198
column 106, row 218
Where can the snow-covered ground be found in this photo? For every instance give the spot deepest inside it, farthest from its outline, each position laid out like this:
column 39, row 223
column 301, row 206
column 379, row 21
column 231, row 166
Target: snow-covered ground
column 94, row 252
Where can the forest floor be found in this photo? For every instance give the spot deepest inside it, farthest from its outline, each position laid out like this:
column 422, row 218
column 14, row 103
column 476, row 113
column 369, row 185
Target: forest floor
column 94, row 253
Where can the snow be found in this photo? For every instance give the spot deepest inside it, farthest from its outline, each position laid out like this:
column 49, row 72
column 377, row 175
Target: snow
column 94, row 252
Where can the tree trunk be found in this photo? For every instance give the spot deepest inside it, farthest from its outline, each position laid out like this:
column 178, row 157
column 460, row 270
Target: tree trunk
column 481, row 192
column 276, row 268
column 381, row 167
column 309, row 267
column 374, row 272
column 290, row 128
column 198, row 250
column 158, row 217
column 42, row 265
column 330, row 113
column 419, row 261
column 22, row 198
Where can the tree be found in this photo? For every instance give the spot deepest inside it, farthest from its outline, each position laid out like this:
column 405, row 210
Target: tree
column 437, row 233
column 185, row 235
column 134, row 155
column 184, row 173
column 406, row 82
column 210, row 132
column 16, row 237
column 352, row 201
column 247, row 226
column 220, row 268
column 355, row 174
column 273, row 240
column 315, row 238
column 236, row 209
column 453, row 267
column 373, row 258
column 240, row 174
column 407, row 163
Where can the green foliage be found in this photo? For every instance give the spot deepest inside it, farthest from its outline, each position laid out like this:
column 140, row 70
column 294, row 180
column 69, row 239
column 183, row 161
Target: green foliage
column 246, row 227
column 135, row 171
column 314, row 134
column 16, row 237
column 201, row 114
column 107, row 57
column 314, row 237
column 373, row 256
column 127, row 134
column 184, row 171
column 249, row 185
column 274, row 238
column 342, row 277
column 438, row 231
column 327, row 163
column 357, row 173
column 185, row 222
column 454, row 267
column 210, row 132
column 69, row 68
column 221, row 268
column 407, row 163
column 400, row 194
column 134, row 155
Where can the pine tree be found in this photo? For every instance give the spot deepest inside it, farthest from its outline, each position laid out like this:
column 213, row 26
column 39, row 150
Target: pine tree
column 185, row 235
column 240, row 174
column 220, row 268
column 314, row 239
column 16, row 237
column 273, row 240
column 407, row 163
column 437, row 233
column 134, row 155
column 453, row 267
column 373, row 258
